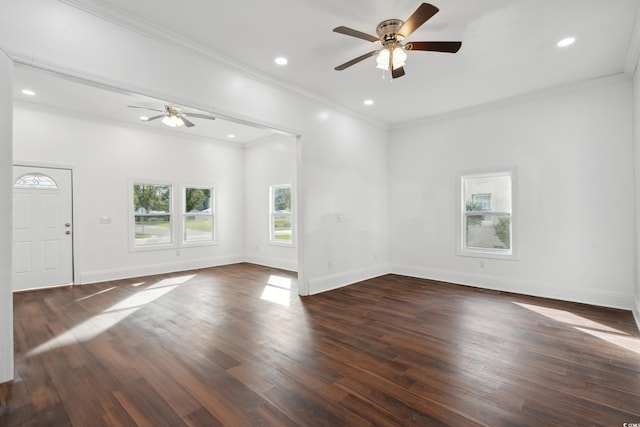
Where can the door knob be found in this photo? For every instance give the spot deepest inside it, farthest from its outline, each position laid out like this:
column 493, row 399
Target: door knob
column 68, row 224
column 67, row 232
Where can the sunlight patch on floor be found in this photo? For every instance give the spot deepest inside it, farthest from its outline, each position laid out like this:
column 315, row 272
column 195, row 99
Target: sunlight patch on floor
column 624, row 341
column 279, row 282
column 110, row 317
column 172, row 281
column 277, row 290
column 568, row 318
column 94, row 294
column 587, row 326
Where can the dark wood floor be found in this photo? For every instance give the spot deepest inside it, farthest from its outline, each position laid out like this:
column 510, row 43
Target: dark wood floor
column 233, row 346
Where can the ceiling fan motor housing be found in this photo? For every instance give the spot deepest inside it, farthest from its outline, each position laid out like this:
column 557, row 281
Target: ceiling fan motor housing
column 388, row 30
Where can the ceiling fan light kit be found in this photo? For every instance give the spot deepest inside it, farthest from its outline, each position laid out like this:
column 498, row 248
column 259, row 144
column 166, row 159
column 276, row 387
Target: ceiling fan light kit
column 173, row 116
column 391, row 33
column 172, row 121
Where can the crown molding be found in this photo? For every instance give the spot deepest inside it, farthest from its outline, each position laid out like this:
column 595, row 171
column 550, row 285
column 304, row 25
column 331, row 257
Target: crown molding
column 518, row 99
column 162, row 35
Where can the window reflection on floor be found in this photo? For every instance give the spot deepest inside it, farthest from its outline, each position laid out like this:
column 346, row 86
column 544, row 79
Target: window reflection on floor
column 277, row 290
column 113, row 315
column 587, row 326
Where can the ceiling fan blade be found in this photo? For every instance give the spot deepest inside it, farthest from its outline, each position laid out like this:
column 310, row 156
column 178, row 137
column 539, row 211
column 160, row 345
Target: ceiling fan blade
column 398, row 72
column 187, row 123
column 199, row 116
column 145, row 108
column 450, row 47
column 356, row 60
column 355, row 33
column 422, row 14
column 154, row 117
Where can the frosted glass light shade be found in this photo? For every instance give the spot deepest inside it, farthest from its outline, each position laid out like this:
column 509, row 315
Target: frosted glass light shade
column 172, row 121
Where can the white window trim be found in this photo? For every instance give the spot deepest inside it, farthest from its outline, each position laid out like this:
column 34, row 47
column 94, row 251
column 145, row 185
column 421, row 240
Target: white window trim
column 272, row 241
column 214, row 203
column 131, row 228
column 176, row 213
column 512, row 254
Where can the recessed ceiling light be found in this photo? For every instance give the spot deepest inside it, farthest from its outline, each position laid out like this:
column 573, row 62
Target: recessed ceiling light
column 231, row 136
column 144, row 118
column 566, row 42
column 281, row 60
column 28, row 92
column 368, row 102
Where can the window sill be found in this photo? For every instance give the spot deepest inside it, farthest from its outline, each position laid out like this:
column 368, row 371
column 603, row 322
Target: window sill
column 488, row 254
column 201, row 243
column 283, row 244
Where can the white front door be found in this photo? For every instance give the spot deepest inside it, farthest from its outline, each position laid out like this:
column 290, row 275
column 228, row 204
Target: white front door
column 42, row 228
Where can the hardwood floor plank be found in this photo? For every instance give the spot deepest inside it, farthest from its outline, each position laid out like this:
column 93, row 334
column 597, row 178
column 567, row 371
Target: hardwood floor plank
column 145, row 406
column 206, row 348
column 202, row 418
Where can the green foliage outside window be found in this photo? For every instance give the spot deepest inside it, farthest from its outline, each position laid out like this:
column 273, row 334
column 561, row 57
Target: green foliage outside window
column 503, row 231
column 151, row 197
column 282, row 199
column 197, row 199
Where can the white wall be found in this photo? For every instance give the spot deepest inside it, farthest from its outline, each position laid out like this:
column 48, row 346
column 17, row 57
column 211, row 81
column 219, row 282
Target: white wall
column 574, row 205
column 336, row 175
column 266, row 163
column 6, row 297
column 105, row 157
column 345, row 205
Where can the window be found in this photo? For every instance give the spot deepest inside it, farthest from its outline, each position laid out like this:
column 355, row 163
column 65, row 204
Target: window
column 281, row 227
column 482, row 201
column 197, row 215
column 152, row 214
column 487, row 214
column 35, row 180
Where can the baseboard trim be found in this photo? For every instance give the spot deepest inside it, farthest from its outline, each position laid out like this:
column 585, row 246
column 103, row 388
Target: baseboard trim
column 147, row 270
column 524, row 287
column 272, row 262
column 339, row 280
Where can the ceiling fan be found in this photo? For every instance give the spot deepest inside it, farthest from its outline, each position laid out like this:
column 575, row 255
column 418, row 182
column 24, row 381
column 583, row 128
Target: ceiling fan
column 391, row 34
column 173, row 116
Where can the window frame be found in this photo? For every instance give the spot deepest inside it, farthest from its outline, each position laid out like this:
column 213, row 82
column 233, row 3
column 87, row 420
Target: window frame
column 491, row 253
column 132, row 216
column 182, row 208
column 177, row 216
column 272, row 216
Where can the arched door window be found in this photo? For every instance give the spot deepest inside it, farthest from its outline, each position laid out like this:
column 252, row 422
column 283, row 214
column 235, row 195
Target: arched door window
column 35, row 180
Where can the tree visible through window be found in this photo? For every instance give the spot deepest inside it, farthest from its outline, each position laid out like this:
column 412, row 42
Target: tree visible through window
column 198, row 214
column 152, row 207
column 281, row 217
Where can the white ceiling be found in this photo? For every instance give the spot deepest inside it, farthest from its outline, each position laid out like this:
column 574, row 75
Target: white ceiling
column 79, row 97
column 508, row 46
